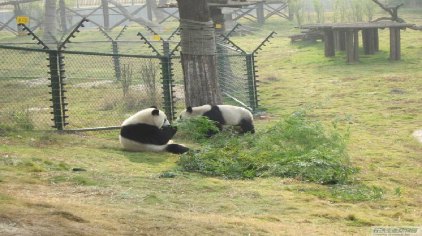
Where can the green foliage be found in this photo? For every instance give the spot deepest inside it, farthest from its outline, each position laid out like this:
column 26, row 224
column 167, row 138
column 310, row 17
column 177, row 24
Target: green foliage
column 296, row 7
column 74, row 179
column 296, row 147
column 196, row 128
column 344, row 193
column 355, row 193
column 33, row 164
column 18, row 120
column 82, row 180
column 126, row 80
column 354, row 10
column 5, row 130
column 319, row 10
column 5, row 198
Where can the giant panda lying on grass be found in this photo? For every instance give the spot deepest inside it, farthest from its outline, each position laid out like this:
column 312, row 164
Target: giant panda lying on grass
column 149, row 130
column 223, row 115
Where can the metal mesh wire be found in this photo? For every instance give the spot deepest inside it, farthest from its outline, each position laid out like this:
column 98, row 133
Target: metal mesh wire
column 179, row 87
column 232, row 73
column 100, row 89
column 24, row 92
column 97, row 98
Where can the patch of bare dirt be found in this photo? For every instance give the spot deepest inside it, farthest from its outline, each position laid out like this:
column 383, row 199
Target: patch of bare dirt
column 393, row 78
column 93, row 84
column 35, row 82
column 9, row 226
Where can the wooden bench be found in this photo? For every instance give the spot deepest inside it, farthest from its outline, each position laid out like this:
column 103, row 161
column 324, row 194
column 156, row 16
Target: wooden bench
column 307, row 35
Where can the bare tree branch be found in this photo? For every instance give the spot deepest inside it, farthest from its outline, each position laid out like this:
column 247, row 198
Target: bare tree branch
column 393, row 11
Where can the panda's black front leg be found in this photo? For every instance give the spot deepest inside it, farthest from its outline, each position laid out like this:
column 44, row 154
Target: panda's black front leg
column 169, row 131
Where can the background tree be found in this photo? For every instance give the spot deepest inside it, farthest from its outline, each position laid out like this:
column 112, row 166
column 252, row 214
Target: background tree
column 198, row 53
column 49, row 22
column 152, row 8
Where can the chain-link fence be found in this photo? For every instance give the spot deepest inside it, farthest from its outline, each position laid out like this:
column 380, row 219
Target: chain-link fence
column 24, row 94
column 45, row 89
column 96, row 97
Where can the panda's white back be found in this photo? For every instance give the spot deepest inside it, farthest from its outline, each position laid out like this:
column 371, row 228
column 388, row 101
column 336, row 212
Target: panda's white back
column 234, row 114
column 145, row 117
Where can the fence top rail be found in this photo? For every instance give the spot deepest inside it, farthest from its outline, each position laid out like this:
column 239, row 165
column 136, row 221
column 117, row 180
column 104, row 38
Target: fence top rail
column 23, row 48
column 111, row 54
column 77, row 52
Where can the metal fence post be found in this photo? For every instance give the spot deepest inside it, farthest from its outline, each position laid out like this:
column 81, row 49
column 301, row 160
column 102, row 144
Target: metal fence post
column 167, row 75
column 250, row 69
column 255, row 81
column 116, row 60
column 56, row 90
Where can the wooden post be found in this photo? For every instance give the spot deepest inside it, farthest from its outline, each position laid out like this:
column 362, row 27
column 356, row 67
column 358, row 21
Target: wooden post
column 104, row 4
column 368, row 41
column 228, row 20
column 336, row 40
column 395, row 44
column 149, row 10
column 260, row 13
column 349, row 47
column 342, row 40
column 218, row 19
column 365, row 39
column 376, row 40
column 18, row 12
column 356, row 45
column 329, row 47
column 352, row 46
column 62, row 8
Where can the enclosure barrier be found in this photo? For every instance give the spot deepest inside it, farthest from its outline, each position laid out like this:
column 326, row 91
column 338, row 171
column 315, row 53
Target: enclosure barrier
column 75, row 90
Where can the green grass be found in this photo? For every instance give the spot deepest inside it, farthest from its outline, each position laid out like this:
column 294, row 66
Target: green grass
column 345, row 193
column 297, row 147
column 376, row 101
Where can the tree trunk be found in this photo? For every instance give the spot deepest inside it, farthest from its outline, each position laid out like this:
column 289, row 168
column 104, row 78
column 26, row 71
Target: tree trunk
column 62, row 7
column 152, row 8
column 129, row 16
column 49, row 21
column 291, row 12
column 198, row 54
column 106, row 14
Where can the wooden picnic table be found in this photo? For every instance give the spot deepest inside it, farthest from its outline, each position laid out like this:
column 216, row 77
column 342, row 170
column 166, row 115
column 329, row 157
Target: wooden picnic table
column 345, row 36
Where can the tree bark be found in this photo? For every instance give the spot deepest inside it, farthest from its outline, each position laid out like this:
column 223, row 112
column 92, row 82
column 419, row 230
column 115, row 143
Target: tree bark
column 199, row 68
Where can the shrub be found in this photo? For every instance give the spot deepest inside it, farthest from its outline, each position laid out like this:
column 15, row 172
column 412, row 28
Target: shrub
column 196, row 128
column 17, row 120
column 296, row 147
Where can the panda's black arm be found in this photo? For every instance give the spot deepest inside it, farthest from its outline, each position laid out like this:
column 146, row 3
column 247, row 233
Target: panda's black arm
column 168, row 132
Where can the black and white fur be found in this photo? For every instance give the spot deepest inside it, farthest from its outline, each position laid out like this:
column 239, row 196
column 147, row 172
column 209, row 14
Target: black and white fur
column 149, row 130
column 223, row 115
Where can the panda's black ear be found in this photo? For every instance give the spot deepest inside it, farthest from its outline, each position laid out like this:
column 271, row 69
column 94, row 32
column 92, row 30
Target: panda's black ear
column 153, row 107
column 189, row 109
column 155, row 112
